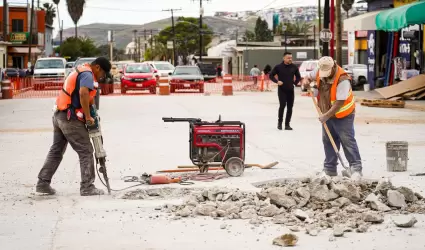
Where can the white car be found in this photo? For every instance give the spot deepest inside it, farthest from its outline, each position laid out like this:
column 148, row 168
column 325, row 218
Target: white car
column 305, row 68
column 49, row 72
column 358, row 73
column 163, row 68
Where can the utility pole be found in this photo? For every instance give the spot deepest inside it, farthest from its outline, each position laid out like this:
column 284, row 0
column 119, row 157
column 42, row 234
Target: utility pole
column 135, row 44
column 338, row 32
column 145, row 42
column 320, row 20
column 326, row 26
column 201, row 13
column 5, row 22
column 332, row 23
column 111, row 45
column 174, row 34
column 31, row 25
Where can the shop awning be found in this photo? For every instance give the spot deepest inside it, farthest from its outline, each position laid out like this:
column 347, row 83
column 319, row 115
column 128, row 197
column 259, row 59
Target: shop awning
column 401, row 17
column 361, row 22
column 24, row 50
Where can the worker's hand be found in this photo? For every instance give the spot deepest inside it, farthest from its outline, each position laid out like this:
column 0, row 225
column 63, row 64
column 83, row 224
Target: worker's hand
column 280, row 83
column 323, row 118
column 90, row 121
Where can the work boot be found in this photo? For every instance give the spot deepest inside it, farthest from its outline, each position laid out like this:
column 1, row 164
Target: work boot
column 287, row 127
column 279, row 125
column 44, row 188
column 356, row 176
column 91, row 191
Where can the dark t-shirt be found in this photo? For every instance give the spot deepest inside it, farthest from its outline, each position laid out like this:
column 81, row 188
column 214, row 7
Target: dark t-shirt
column 285, row 73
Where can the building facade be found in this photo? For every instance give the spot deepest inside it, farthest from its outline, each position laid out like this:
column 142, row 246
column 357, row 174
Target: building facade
column 18, row 35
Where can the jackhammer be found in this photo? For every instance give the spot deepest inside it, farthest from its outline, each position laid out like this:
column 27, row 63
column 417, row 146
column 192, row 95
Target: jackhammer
column 95, row 134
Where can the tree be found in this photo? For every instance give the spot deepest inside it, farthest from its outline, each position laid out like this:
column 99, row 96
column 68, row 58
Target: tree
column 262, row 31
column 249, row 36
column 158, row 52
column 75, row 10
column 50, row 13
column 75, row 47
column 187, row 36
column 104, row 50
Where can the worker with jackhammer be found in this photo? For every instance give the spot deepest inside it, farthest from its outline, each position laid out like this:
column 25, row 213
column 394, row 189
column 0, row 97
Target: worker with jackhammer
column 71, row 115
column 336, row 102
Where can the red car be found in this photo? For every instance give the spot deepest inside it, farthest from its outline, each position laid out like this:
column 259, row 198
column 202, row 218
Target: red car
column 138, row 76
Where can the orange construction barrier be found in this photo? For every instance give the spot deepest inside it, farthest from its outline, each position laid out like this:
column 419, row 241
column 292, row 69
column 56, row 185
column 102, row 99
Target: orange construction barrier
column 227, row 85
column 6, row 89
column 164, row 88
column 262, row 82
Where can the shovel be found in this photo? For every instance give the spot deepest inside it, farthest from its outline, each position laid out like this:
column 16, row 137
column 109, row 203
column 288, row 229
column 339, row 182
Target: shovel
column 346, row 172
column 268, row 166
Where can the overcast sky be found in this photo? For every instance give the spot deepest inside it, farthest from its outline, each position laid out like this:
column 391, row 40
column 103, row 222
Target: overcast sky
column 144, row 11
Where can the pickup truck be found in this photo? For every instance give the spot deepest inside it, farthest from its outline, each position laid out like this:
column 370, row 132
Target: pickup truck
column 358, row 73
column 49, row 72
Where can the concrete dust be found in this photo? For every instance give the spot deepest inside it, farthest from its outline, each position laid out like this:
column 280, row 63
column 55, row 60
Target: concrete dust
column 308, row 204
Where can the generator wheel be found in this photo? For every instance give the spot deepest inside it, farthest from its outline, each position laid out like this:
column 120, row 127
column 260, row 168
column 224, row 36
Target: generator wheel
column 234, row 166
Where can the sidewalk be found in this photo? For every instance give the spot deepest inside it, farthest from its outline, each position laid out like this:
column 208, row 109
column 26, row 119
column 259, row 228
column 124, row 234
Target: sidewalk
column 373, row 95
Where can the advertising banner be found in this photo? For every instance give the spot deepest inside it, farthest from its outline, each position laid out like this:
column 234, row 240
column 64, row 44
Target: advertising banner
column 371, row 34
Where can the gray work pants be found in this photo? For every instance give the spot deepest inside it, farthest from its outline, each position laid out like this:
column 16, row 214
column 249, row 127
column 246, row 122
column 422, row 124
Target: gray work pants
column 75, row 133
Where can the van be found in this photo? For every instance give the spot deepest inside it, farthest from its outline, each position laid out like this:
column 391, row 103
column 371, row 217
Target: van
column 49, row 72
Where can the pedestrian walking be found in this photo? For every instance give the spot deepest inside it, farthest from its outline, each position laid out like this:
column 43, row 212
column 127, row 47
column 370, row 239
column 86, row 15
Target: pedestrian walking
column 336, row 102
column 219, row 71
column 254, row 73
column 72, row 113
column 286, row 75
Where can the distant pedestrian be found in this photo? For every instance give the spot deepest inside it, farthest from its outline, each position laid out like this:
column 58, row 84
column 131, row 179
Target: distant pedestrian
column 254, row 73
column 219, row 70
column 288, row 76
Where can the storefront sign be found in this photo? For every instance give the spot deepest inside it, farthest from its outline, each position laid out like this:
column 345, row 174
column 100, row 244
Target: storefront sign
column 19, row 37
column 398, row 3
column 371, row 58
column 404, row 45
column 361, row 33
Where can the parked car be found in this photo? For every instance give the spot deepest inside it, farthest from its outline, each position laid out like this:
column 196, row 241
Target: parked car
column 49, row 72
column 209, row 71
column 138, row 76
column 83, row 60
column 163, row 68
column 69, row 66
column 186, row 77
column 305, row 68
column 358, row 73
column 10, row 72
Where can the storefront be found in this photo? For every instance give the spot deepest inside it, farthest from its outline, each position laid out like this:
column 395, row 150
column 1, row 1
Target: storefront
column 18, row 51
column 404, row 42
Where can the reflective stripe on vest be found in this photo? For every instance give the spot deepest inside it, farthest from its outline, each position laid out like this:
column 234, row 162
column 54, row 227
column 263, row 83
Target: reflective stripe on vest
column 349, row 104
column 63, row 101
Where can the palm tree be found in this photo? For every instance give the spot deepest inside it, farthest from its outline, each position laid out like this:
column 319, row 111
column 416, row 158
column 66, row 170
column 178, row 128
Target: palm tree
column 75, row 10
column 305, row 29
column 50, row 13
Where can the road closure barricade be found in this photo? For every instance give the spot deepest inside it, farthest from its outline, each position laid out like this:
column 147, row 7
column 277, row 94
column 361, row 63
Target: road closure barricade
column 227, row 85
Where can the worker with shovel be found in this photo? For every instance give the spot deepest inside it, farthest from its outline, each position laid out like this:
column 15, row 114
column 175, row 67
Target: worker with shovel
column 336, row 108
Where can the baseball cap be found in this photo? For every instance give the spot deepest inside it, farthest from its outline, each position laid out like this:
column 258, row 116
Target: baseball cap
column 105, row 65
column 326, row 64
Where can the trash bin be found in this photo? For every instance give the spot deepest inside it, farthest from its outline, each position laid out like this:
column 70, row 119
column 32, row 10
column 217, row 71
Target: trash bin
column 397, row 156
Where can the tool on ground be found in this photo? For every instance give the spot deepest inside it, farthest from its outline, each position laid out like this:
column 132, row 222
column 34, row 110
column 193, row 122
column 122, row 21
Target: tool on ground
column 216, row 142
column 268, row 166
column 346, row 172
column 95, row 134
column 155, row 179
column 195, row 169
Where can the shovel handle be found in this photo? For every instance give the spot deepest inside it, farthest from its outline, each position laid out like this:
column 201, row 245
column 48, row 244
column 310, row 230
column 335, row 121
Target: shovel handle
column 325, row 126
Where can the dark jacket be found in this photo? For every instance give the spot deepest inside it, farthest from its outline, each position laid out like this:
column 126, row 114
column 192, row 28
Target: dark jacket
column 289, row 74
column 267, row 69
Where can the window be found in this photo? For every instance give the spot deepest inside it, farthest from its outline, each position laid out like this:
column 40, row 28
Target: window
column 17, row 25
column 49, row 64
column 138, row 68
column 187, row 71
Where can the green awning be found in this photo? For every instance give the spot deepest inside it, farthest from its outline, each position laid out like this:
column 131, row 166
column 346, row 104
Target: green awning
column 401, row 17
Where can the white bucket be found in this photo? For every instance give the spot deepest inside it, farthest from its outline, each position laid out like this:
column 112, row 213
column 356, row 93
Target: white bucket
column 366, row 87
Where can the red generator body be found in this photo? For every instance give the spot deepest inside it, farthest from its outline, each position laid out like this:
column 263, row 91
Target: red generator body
column 219, row 143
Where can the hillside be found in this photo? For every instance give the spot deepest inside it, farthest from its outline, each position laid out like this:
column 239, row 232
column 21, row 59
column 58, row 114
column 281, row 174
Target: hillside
column 123, row 33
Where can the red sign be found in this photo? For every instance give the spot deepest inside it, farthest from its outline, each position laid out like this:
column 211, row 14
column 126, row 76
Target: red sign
column 361, row 33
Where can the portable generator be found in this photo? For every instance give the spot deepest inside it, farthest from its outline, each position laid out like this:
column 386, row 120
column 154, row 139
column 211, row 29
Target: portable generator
column 216, row 143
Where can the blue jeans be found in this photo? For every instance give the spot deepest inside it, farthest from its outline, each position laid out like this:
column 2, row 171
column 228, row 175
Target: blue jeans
column 342, row 131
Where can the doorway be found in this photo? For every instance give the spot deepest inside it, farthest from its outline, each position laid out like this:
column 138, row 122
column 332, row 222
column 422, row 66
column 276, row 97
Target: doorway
column 18, row 62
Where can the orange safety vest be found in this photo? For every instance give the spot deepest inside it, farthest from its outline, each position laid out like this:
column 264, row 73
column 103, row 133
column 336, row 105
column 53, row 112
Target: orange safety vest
column 63, row 101
column 349, row 104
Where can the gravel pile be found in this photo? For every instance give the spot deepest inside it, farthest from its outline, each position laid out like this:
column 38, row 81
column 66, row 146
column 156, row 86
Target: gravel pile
column 309, row 204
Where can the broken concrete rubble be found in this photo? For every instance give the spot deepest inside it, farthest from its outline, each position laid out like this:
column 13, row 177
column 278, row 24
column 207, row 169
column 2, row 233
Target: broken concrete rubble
column 317, row 204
